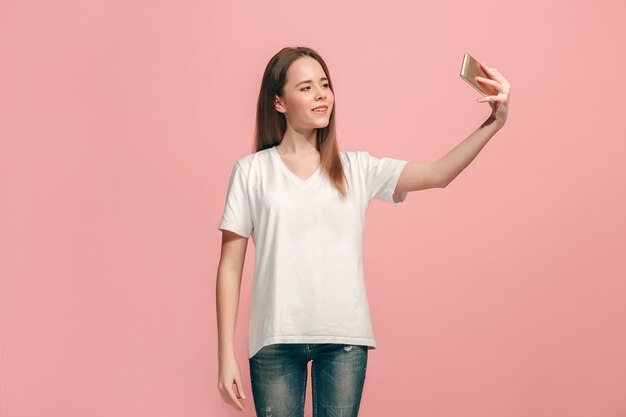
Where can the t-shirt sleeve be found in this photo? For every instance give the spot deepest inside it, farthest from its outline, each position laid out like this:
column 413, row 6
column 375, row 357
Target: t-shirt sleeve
column 237, row 217
column 381, row 177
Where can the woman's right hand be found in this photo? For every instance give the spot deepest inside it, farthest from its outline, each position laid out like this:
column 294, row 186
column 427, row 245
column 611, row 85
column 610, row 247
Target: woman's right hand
column 229, row 374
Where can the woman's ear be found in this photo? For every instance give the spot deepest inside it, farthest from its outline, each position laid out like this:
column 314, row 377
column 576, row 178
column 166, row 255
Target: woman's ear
column 278, row 105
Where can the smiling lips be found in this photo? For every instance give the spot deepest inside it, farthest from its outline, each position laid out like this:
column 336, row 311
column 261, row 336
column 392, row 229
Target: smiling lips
column 320, row 109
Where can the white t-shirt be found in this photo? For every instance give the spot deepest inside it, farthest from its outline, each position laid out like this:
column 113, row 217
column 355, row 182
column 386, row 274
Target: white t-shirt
column 308, row 273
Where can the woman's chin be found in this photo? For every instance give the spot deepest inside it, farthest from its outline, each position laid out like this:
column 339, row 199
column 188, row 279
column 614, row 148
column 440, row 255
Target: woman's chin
column 322, row 123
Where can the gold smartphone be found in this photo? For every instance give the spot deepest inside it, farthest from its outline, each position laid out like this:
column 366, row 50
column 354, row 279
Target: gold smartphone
column 471, row 68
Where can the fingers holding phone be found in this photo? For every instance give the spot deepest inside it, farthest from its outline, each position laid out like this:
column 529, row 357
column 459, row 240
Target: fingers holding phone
column 477, row 76
column 490, row 83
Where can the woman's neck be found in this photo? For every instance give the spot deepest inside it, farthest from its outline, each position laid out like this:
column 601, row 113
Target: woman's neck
column 298, row 144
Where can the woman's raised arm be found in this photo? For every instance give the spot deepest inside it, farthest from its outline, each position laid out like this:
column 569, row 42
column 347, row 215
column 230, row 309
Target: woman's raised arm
column 418, row 175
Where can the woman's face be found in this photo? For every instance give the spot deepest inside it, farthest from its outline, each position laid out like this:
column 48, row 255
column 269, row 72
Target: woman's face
column 306, row 88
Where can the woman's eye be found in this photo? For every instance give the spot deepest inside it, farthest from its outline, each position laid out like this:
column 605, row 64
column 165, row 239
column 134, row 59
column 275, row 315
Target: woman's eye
column 304, row 89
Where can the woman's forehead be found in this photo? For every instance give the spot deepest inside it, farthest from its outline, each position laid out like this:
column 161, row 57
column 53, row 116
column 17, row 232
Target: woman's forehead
column 305, row 68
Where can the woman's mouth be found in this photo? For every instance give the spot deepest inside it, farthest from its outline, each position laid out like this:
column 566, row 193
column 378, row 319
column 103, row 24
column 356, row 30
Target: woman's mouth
column 320, row 110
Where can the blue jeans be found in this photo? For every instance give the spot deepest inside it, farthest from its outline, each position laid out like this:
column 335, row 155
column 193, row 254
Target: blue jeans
column 278, row 374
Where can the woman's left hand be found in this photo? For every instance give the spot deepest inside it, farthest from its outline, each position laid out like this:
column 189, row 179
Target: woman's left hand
column 500, row 101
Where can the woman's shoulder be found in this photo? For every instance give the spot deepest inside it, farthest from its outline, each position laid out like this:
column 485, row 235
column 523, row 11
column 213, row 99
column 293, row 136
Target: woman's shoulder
column 253, row 158
column 354, row 157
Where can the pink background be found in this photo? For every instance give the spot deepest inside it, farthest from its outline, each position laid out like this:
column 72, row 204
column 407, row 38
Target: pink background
column 503, row 294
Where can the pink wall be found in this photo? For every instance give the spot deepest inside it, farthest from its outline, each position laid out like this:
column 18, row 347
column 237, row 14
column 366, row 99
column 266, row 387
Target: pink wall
column 503, row 294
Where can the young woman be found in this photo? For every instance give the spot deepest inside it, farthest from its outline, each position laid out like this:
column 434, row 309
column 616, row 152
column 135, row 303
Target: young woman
column 303, row 202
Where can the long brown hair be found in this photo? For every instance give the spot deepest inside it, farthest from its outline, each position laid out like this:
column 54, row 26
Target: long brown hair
column 271, row 124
